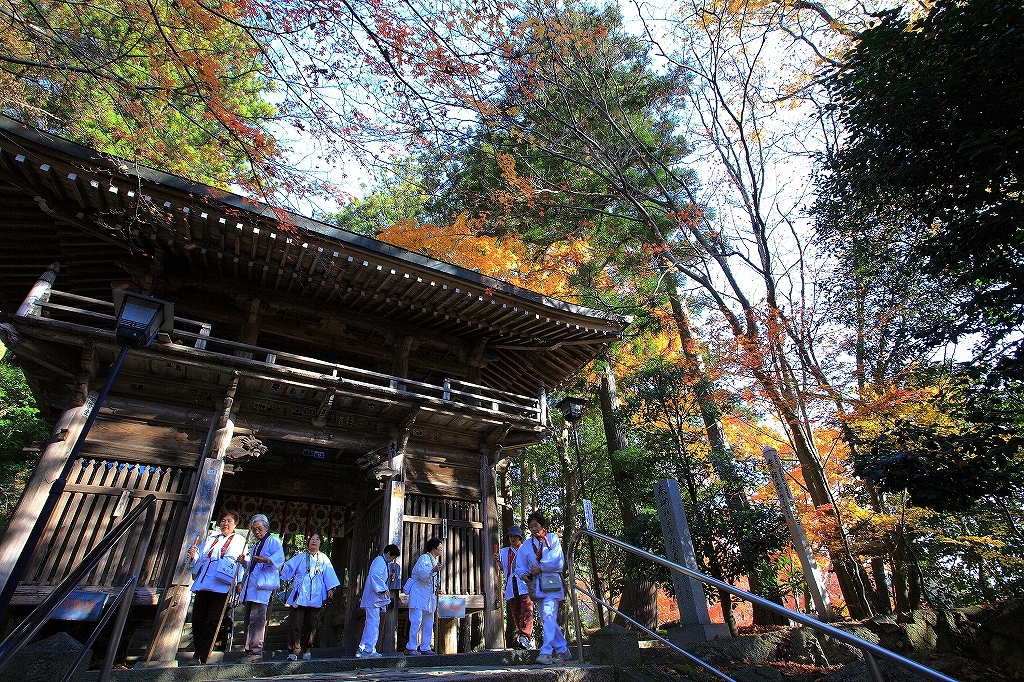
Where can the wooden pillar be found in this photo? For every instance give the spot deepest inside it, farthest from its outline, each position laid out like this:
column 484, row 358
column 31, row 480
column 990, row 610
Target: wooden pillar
column 173, row 607
column 51, row 463
column 400, row 362
column 357, row 545
column 446, row 639
column 393, row 521
column 40, row 292
column 493, row 636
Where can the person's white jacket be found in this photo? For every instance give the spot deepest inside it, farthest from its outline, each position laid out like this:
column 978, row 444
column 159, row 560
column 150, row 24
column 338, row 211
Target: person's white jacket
column 271, row 549
column 423, row 583
column 204, row 566
column 376, row 591
column 511, row 571
column 551, row 561
column 312, row 576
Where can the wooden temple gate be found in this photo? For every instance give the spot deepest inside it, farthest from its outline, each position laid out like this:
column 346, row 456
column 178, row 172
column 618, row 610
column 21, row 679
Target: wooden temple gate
column 327, row 380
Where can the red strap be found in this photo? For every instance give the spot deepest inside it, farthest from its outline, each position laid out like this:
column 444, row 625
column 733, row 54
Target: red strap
column 511, row 558
column 537, row 549
column 224, row 547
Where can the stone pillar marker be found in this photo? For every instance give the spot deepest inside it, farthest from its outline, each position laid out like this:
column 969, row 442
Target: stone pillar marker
column 694, row 620
column 812, row 576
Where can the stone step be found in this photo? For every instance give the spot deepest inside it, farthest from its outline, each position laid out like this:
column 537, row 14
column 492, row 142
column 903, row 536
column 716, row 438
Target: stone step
column 328, row 664
column 463, row 674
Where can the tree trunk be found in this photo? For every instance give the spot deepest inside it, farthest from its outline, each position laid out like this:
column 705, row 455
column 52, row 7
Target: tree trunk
column 914, row 591
column 728, row 615
column 507, row 521
column 882, row 602
column 507, row 511
column 722, row 457
column 639, row 599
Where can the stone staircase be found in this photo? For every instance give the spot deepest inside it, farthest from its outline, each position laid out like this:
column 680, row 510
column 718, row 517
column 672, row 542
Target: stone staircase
column 328, row 665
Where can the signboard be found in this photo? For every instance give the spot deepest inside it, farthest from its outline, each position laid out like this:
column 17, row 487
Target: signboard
column 81, row 605
column 397, row 513
column 588, row 514
column 451, row 607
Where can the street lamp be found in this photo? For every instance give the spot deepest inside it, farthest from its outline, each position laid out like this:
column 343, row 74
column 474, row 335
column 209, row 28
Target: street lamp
column 572, row 410
column 139, row 319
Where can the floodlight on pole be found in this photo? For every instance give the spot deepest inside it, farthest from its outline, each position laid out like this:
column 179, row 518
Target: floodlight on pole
column 572, row 411
column 139, row 319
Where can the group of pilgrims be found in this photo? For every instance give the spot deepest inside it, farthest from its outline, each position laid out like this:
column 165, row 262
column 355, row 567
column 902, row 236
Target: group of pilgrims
column 254, row 564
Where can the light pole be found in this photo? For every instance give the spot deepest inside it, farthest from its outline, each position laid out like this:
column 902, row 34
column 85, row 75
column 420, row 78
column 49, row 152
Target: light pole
column 139, row 318
column 572, row 410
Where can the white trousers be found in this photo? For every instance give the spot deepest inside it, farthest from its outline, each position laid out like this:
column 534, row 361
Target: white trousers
column 371, row 630
column 554, row 639
column 421, row 629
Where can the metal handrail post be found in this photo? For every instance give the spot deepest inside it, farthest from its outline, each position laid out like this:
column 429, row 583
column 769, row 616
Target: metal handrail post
column 654, row 634
column 122, row 615
column 864, row 645
column 872, row 665
column 576, row 613
column 28, row 628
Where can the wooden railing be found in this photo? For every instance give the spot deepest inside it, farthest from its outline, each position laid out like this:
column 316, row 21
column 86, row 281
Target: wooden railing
column 199, row 335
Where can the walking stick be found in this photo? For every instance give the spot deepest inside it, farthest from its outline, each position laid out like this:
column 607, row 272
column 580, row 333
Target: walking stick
column 223, row 609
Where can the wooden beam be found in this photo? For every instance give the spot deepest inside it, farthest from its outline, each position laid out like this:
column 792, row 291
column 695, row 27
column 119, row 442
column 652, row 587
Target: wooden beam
column 51, row 463
column 32, row 595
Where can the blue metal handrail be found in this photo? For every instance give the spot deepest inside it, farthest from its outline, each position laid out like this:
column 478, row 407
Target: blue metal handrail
column 27, row 629
column 870, row 650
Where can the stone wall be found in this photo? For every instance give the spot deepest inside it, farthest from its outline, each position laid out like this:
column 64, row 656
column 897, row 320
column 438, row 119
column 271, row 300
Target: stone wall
column 990, row 636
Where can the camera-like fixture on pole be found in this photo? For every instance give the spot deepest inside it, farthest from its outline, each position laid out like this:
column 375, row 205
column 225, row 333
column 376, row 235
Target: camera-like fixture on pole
column 571, row 408
column 140, row 318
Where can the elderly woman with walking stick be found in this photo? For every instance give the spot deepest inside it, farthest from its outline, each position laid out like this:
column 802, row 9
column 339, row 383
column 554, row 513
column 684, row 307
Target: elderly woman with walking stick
column 265, row 562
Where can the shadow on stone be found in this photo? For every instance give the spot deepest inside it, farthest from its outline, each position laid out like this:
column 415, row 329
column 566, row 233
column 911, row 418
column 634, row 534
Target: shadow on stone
column 47, row 660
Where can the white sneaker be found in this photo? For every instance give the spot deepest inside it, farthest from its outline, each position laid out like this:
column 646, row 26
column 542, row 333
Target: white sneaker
column 292, row 657
column 308, row 655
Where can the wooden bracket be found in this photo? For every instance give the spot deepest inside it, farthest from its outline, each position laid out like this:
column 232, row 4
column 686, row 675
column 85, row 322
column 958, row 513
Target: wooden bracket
column 320, row 420
column 229, row 401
